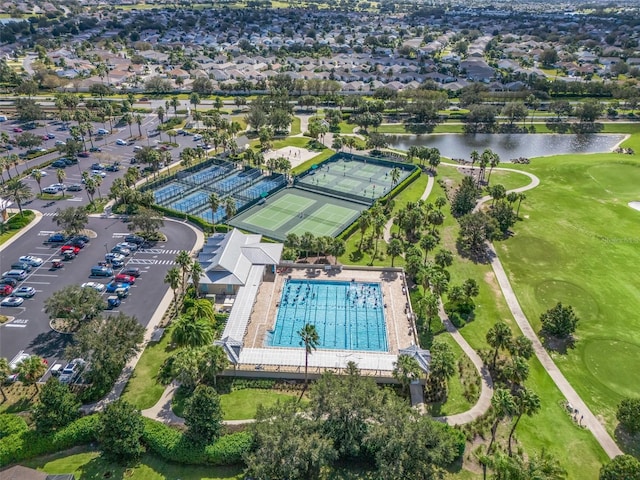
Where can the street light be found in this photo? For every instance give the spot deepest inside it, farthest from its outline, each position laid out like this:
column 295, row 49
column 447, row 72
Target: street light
column 106, row 248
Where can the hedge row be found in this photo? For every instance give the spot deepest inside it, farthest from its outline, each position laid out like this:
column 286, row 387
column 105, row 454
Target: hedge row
column 175, row 446
column 28, row 444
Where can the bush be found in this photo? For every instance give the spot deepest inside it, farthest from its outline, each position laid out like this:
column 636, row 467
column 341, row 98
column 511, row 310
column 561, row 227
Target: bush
column 28, row 444
column 175, row 446
column 11, row 424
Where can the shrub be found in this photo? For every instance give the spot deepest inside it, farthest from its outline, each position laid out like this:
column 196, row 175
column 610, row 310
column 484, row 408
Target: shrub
column 11, row 424
column 29, row 443
column 175, row 446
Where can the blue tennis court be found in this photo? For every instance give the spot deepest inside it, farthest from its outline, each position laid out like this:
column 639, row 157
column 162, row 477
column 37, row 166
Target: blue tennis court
column 347, row 315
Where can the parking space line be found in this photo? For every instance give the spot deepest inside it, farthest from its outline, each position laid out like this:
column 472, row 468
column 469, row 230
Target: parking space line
column 43, row 275
column 37, row 283
column 15, row 325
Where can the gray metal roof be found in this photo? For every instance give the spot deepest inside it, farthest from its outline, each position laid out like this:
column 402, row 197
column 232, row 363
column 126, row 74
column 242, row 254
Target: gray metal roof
column 241, row 312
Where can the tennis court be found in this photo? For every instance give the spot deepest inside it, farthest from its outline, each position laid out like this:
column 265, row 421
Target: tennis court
column 293, row 210
column 358, row 178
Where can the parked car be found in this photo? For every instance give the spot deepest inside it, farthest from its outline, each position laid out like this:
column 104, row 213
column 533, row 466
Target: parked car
column 99, row 287
column 12, row 282
column 72, row 370
column 56, row 370
column 43, row 173
column 138, row 240
column 26, row 292
column 97, row 166
column 121, row 142
column 59, row 164
column 121, row 277
column 60, row 143
column 101, row 271
column 131, row 271
column 110, row 257
column 17, row 274
column 51, row 190
column 50, row 136
column 98, row 173
column 84, row 238
column 95, row 149
column 112, row 168
column 21, row 266
column 31, row 260
column 102, row 131
column 137, row 148
column 71, row 248
column 12, row 302
column 17, row 130
column 6, row 290
column 76, row 242
column 57, row 238
column 74, row 187
column 130, row 246
column 113, row 286
column 14, row 364
column 84, row 154
column 121, row 250
column 113, row 301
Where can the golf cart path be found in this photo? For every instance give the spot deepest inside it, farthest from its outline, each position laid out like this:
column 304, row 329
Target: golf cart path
column 427, row 191
column 588, row 419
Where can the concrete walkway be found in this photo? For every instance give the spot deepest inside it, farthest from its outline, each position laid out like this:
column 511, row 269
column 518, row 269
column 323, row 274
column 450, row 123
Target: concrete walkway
column 589, row 420
column 486, row 390
column 386, row 234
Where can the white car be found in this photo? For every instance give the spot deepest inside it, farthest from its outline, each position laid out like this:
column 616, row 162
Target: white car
column 43, row 173
column 121, row 142
column 25, row 292
column 12, row 302
column 102, row 131
column 31, row 260
column 99, row 287
column 129, row 246
column 98, row 173
column 51, row 190
column 114, row 256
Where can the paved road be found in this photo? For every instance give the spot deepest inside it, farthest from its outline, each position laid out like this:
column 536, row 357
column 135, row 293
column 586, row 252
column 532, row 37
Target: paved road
column 30, row 330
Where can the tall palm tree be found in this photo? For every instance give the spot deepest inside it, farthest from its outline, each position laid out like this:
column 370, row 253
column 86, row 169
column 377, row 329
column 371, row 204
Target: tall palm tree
column 196, row 273
column 310, row 339
column 494, row 161
column 172, row 278
column 395, row 175
column 527, row 403
column 405, row 370
column 183, row 260
column 503, row 406
column 192, row 332
column 230, row 208
column 202, row 309
column 17, row 191
column 37, row 176
column 521, row 197
column 498, row 337
column 61, row 175
column 138, row 119
column 214, row 204
column 31, row 370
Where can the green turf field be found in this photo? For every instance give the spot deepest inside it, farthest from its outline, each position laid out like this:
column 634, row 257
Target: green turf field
column 580, row 245
column 293, row 210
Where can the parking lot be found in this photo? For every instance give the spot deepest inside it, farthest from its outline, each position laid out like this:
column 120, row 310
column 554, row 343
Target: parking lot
column 30, row 331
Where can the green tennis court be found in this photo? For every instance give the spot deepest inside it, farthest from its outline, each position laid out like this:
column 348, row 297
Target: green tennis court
column 298, row 211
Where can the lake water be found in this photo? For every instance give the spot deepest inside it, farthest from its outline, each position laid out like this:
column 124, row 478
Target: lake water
column 509, row 145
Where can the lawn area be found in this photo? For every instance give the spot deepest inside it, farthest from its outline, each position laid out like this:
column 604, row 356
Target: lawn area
column 243, row 404
column 143, row 389
column 89, row 464
column 552, row 428
column 15, row 224
column 508, row 180
column 580, row 246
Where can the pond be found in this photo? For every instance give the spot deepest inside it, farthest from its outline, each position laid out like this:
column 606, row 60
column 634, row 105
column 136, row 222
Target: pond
column 509, row 145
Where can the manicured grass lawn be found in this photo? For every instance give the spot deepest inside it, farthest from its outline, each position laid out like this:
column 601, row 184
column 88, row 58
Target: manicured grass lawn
column 552, row 428
column 143, row 389
column 508, row 180
column 580, row 246
column 15, row 224
column 89, row 464
column 243, row 404
column 295, row 126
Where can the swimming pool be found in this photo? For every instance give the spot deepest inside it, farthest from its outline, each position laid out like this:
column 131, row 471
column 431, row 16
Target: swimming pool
column 347, row 315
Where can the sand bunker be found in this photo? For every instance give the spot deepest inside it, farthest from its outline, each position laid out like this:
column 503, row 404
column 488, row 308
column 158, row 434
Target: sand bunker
column 295, row 155
column 635, row 205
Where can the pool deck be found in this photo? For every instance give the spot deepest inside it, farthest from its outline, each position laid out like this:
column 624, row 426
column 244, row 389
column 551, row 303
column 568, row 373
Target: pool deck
column 400, row 332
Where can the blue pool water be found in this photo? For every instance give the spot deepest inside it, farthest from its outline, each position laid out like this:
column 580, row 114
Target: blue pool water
column 347, row 315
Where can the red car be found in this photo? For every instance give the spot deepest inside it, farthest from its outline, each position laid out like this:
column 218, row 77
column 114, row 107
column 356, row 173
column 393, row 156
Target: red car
column 84, row 154
column 70, row 248
column 6, row 289
column 121, row 277
column 17, row 130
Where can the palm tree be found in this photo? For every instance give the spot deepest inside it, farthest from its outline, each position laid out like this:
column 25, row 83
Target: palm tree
column 5, row 370
column 202, row 309
column 310, row 339
column 337, row 248
column 229, row 208
column 494, row 161
column 196, row 273
column 17, row 191
column 183, row 260
column 175, row 103
column 516, row 371
column 405, row 370
column 172, row 278
column 194, row 99
column 395, row 175
column 37, row 176
column 138, row 119
column 503, row 406
column 31, row 369
column 61, row 175
column 191, row 332
column 214, row 204
column 394, row 249
column 527, row 403
column 498, row 337
column 521, row 197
